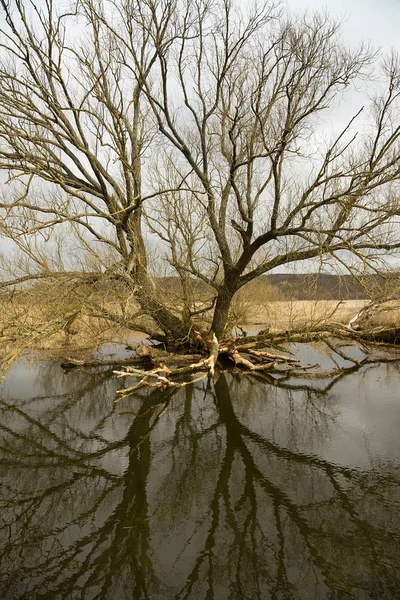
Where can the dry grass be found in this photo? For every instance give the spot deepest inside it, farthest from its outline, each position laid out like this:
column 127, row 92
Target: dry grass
column 24, row 316
column 387, row 315
column 289, row 314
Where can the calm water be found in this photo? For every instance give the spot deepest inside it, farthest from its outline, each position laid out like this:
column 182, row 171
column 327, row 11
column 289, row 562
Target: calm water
column 240, row 489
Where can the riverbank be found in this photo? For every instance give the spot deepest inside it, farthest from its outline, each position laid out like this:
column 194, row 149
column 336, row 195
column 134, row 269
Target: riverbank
column 93, row 338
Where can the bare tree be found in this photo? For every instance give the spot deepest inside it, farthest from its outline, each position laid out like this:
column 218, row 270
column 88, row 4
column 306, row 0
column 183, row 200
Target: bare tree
column 205, row 122
column 72, row 116
column 244, row 126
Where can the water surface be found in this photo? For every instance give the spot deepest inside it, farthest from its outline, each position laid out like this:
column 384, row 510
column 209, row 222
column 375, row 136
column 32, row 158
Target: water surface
column 238, row 489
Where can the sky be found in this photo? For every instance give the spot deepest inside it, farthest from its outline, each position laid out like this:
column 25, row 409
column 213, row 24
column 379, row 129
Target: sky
column 374, row 20
column 377, row 21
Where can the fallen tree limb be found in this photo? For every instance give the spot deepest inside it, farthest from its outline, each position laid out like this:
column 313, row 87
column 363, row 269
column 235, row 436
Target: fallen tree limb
column 72, row 363
column 388, row 335
column 343, row 355
column 275, row 357
column 159, row 377
column 163, row 377
column 157, row 368
column 173, row 359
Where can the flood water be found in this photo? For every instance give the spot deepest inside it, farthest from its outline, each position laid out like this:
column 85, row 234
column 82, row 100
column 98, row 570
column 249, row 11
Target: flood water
column 238, row 489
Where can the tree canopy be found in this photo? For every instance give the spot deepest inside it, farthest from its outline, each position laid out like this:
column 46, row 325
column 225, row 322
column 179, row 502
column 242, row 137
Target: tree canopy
column 195, row 126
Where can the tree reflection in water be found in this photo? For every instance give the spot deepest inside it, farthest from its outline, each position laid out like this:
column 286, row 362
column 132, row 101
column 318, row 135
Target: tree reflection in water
column 218, row 491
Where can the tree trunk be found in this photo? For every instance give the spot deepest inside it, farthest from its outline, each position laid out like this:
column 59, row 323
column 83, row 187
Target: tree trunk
column 173, row 327
column 221, row 312
column 145, row 292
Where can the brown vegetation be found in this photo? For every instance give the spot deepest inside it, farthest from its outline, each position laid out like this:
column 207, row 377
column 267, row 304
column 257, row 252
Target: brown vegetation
column 74, row 324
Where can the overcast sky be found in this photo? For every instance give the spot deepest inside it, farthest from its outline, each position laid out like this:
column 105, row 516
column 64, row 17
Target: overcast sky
column 375, row 20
